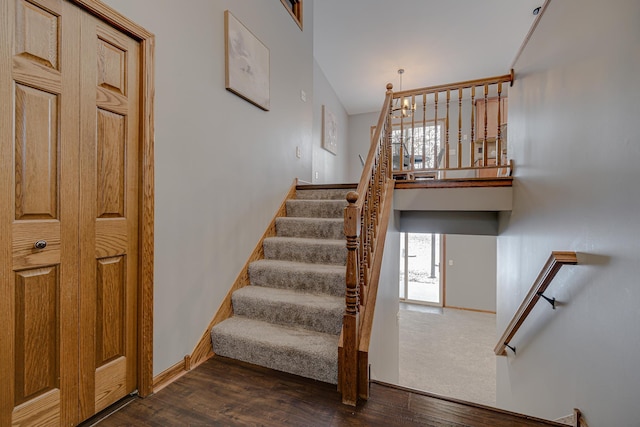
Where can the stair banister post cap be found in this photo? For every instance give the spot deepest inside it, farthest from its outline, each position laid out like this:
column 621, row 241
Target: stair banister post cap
column 389, row 86
column 352, row 197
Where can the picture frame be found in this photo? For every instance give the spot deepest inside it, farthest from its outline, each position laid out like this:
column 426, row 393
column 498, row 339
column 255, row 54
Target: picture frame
column 246, row 63
column 294, row 7
column 329, row 131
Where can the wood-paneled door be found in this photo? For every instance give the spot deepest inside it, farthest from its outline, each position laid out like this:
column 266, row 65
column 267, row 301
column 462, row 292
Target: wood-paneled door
column 72, row 192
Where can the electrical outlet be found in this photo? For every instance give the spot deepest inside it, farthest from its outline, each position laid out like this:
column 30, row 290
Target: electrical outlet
column 298, row 152
column 303, row 95
column 317, row 174
column 450, row 262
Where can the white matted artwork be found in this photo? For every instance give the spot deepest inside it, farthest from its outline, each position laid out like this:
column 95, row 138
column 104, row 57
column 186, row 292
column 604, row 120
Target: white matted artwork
column 247, row 63
column 329, row 131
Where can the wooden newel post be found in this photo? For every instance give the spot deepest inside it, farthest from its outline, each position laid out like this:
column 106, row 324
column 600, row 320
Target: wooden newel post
column 349, row 365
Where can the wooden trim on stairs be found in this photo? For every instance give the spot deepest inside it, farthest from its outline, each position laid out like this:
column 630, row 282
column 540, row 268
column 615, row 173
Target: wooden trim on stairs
column 171, row 374
column 456, row 183
column 368, row 309
column 327, row 186
column 203, row 350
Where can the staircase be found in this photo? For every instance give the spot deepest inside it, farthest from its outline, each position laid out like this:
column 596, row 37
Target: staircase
column 290, row 316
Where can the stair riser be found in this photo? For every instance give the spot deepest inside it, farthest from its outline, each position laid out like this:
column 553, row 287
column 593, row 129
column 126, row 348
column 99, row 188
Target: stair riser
column 316, row 208
column 328, row 194
column 314, row 253
column 324, row 283
column 327, row 320
column 315, row 229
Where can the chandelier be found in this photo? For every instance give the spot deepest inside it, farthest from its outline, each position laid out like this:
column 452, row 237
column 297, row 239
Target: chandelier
column 402, row 107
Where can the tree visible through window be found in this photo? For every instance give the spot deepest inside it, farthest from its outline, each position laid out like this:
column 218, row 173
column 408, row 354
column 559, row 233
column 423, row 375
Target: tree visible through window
column 423, row 142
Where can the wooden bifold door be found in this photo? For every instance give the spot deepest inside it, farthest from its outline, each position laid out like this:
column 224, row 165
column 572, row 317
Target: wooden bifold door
column 69, row 202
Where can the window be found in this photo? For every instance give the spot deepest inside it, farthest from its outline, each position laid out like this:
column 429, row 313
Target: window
column 420, row 279
column 421, row 141
column 295, row 10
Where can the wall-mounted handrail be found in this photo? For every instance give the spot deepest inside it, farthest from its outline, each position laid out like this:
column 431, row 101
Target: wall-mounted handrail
column 548, row 272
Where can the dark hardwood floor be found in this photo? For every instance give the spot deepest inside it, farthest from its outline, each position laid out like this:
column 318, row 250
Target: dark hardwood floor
column 225, row 392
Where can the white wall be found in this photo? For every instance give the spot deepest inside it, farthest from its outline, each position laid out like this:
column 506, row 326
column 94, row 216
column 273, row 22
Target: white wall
column 450, row 222
column 384, row 349
column 360, row 141
column 328, row 168
column 573, row 129
column 470, row 265
column 488, row 199
column 222, row 165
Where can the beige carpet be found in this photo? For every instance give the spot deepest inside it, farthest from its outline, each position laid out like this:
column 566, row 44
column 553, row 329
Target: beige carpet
column 448, row 352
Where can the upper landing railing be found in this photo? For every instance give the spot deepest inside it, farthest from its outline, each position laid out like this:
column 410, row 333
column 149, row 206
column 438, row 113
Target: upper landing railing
column 456, row 130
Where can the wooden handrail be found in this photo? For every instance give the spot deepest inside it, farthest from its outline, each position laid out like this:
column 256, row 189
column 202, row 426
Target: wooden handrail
column 363, row 218
column 455, row 86
column 548, row 272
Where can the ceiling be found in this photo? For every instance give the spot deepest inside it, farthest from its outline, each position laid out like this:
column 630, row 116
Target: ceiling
column 361, row 44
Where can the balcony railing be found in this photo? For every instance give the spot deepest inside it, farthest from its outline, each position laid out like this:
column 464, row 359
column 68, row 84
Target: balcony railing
column 456, row 130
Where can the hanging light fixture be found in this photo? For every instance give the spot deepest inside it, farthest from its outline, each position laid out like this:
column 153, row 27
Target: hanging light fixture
column 403, row 107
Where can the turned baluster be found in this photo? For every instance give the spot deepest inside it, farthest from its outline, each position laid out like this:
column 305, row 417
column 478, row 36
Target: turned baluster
column 412, row 162
column 424, row 131
column 386, row 131
column 435, row 143
column 499, row 134
column 376, row 203
column 459, row 127
column 364, row 236
column 484, row 140
column 369, row 257
column 446, row 139
column 389, row 151
column 472, row 149
column 402, row 153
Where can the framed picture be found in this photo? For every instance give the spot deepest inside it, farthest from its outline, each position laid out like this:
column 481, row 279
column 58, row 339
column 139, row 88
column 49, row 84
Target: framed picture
column 295, row 10
column 329, row 131
column 246, row 63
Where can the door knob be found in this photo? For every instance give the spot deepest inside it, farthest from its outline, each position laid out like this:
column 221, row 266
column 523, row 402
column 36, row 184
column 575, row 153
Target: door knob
column 40, row 244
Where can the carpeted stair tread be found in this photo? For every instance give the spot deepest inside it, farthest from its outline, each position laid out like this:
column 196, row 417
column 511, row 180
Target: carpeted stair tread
column 324, row 193
column 316, row 251
column 316, row 208
column 290, row 317
column 294, row 350
column 317, row 228
column 315, row 278
column 321, row 313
